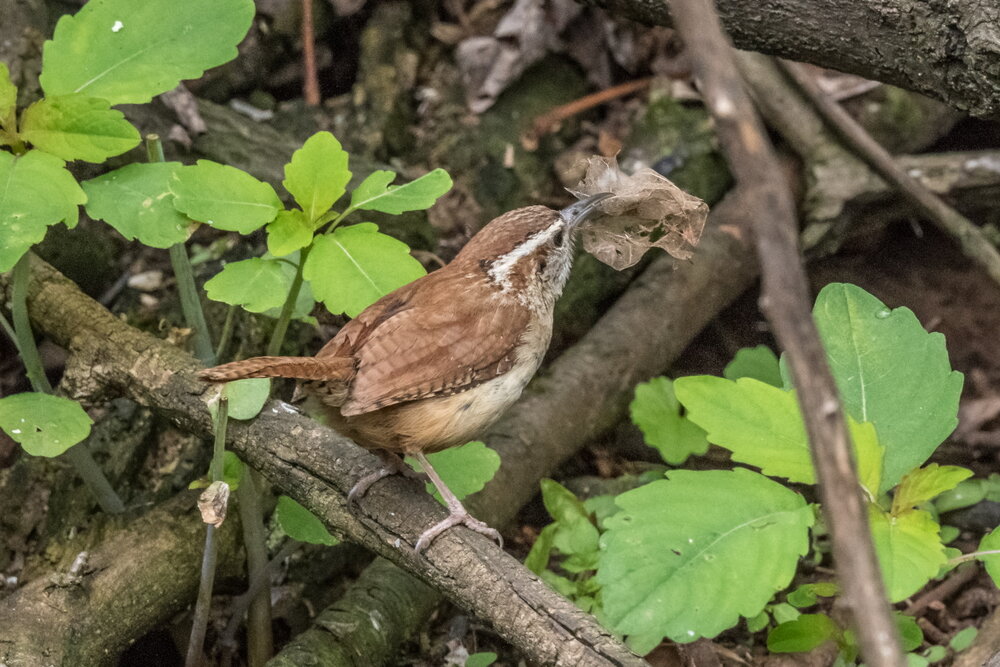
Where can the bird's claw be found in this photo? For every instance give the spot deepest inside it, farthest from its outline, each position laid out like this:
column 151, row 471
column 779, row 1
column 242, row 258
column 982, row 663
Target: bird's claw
column 455, row 518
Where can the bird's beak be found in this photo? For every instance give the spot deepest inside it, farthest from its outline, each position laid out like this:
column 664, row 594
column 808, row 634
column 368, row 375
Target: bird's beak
column 576, row 213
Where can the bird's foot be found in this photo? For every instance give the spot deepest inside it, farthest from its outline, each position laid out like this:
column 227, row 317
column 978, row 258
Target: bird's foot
column 458, row 516
column 392, row 465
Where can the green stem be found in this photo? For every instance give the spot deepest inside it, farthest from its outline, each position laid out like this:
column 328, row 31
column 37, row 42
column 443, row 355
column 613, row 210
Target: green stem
column 278, row 337
column 78, row 455
column 972, row 556
column 227, row 334
column 260, row 642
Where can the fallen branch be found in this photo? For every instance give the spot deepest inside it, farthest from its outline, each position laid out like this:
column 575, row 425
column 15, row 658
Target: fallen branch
column 786, row 303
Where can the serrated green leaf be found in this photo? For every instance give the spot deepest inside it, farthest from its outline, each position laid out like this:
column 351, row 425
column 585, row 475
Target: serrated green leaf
column 574, row 532
column 890, row 372
column 803, row 634
column 77, row 127
column 923, row 484
column 963, row 638
column 288, row 232
column 136, row 200
column 657, row 413
column 729, row 540
column 35, row 191
column 126, row 52
column 909, row 632
column 759, row 363
column 256, row 284
column 317, row 174
column 43, row 424
column 355, row 266
column 301, row 524
column 991, row 542
column 464, row 469
column 247, row 397
column 224, row 197
column 8, row 94
column 375, row 193
column 909, row 550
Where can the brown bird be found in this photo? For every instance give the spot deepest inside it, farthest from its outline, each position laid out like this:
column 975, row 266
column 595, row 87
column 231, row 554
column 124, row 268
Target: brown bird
column 434, row 363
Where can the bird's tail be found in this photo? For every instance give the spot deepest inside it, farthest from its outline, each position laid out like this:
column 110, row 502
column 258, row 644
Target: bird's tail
column 301, row 368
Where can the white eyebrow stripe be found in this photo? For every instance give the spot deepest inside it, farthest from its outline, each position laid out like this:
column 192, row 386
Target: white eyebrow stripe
column 500, row 269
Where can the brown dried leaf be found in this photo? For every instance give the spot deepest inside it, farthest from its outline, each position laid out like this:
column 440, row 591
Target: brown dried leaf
column 646, row 211
column 213, row 502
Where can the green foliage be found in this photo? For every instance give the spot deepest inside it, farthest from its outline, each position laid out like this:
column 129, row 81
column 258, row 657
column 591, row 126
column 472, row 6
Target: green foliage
column 807, row 595
column 968, row 493
column 663, row 573
column 136, row 200
column 232, row 473
column 354, row 266
column 288, row 232
column 256, row 284
column 963, row 639
column 247, row 397
column 38, row 191
column 923, row 484
column 484, row 659
column 301, row 524
column 224, row 197
column 657, row 413
column 759, row 363
column 802, row 634
column 317, row 175
column 77, row 127
column 909, row 549
column 464, row 469
column 126, row 52
column 8, row 94
column 375, row 193
column 991, row 542
column 43, row 424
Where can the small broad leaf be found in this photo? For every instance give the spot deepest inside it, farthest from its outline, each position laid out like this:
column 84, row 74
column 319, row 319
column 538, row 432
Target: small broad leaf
column 758, row 622
column 923, row 484
column 317, row 175
column 784, row 612
column 8, row 94
column 909, row 550
column 966, row 494
column 305, row 303
column 537, row 559
column 43, row 424
column 873, row 353
column 484, row 659
column 759, row 363
column 909, row 631
column 656, row 411
column 574, row 532
column 126, row 52
column 288, row 232
column 301, row 524
column 247, row 397
column 802, row 634
column 464, row 469
column 257, row 284
column 729, row 540
column 375, row 193
column 232, row 469
column 355, row 266
column 991, row 542
column 136, row 200
column 806, row 595
column 37, row 192
column 77, row 127
column 224, row 197
column 963, row 638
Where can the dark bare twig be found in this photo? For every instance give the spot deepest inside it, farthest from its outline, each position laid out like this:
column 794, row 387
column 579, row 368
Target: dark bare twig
column 785, row 301
column 310, row 82
column 961, row 576
column 970, row 238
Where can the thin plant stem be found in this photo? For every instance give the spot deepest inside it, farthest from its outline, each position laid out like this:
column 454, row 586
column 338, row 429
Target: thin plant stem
column 78, row 455
column 260, row 642
column 210, row 556
column 972, row 556
column 226, row 336
column 9, row 330
column 281, row 328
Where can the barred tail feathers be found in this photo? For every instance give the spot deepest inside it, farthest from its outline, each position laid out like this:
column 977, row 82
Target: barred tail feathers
column 302, row 368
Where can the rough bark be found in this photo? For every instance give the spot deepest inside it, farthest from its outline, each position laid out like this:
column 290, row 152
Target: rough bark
column 948, row 50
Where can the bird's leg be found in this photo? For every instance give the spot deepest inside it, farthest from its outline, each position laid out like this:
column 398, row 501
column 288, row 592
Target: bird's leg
column 457, row 514
column 391, row 465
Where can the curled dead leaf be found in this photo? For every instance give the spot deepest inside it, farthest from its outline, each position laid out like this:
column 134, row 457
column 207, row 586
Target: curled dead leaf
column 213, row 502
column 647, row 211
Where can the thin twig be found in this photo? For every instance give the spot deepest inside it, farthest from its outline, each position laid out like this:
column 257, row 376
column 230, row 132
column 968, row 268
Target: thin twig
column 310, row 82
column 785, row 301
column 969, row 237
column 260, row 641
column 961, row 576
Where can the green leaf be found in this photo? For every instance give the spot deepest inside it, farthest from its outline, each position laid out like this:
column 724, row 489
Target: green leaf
column 759, row 363
column 909, row 550
column 224, row 197
column 126, row 52
column 991, row 542
column 729, row 540
column 43, row 424
column 257, row 284
column 247, row 397
column 963, row 638
column 136, row 200
column 935, row 653
column 484, row 659
column 910, row 633
column 803, row 634
column 77, row 127
column 758, row 622
column 232, row 468
column 288, row 232
column 574, row 532
column 355, row 266
column 304, row 304
column 807, row 594
column 8, row 94
column 35, row 191
column 966, row 494
column 464, row 469
column 317, row 174
column 923, row 484
column 868, row 454
column 301, row 524
column 784, row 612
column 890, row 372
column 537, row 559
column 375, row 193
column 656, row 411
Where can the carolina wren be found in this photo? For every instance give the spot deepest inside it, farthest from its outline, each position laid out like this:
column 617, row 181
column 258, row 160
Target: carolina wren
column 434, row 363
